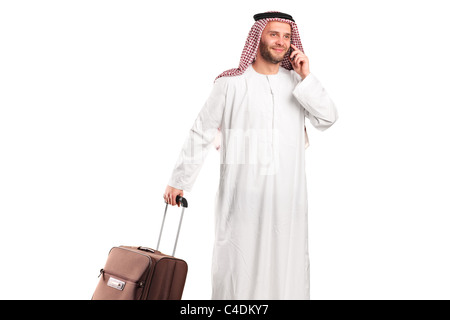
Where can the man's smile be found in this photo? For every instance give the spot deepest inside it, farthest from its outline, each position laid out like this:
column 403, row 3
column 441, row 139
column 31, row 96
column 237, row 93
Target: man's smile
column 279, row 49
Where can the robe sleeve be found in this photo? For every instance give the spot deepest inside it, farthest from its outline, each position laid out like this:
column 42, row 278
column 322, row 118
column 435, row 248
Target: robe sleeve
column 200, row 138
column 319, row 108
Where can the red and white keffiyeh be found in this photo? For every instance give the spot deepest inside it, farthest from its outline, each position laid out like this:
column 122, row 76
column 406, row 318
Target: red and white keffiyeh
column 251, row 46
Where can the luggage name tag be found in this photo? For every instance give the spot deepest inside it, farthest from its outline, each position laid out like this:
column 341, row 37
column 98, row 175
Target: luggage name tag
column 116, row 284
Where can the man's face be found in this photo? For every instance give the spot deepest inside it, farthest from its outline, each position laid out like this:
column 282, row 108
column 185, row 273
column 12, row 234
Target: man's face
column 275, row 41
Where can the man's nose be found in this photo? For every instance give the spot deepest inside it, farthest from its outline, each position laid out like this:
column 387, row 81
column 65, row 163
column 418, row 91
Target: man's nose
column 280, row 41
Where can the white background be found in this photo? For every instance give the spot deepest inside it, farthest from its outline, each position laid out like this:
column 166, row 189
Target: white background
column 97, row 97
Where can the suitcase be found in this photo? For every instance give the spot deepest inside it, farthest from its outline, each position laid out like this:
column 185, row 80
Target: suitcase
column 141, row 273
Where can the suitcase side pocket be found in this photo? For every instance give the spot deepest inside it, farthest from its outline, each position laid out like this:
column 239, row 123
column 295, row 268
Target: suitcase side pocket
column 123, row 276
column 117, row 287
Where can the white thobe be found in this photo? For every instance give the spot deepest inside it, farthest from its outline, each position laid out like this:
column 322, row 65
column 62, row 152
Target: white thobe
column 261, row 219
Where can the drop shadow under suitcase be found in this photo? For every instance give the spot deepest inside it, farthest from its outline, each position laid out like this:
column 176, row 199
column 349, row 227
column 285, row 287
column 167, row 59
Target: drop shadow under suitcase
column 141, row 273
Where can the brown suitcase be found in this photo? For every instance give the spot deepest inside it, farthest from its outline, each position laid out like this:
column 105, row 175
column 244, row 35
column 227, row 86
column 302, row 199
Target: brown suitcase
column 140, row 273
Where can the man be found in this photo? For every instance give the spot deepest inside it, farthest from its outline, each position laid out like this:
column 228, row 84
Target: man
column 261, row 236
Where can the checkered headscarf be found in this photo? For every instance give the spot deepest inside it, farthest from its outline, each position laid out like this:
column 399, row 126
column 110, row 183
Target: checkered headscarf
column 251, row 45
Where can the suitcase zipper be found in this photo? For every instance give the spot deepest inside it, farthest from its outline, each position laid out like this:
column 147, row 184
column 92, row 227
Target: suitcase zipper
column 149, row 277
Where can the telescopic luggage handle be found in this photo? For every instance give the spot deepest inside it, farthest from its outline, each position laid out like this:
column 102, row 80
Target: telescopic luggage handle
column 183, row 202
